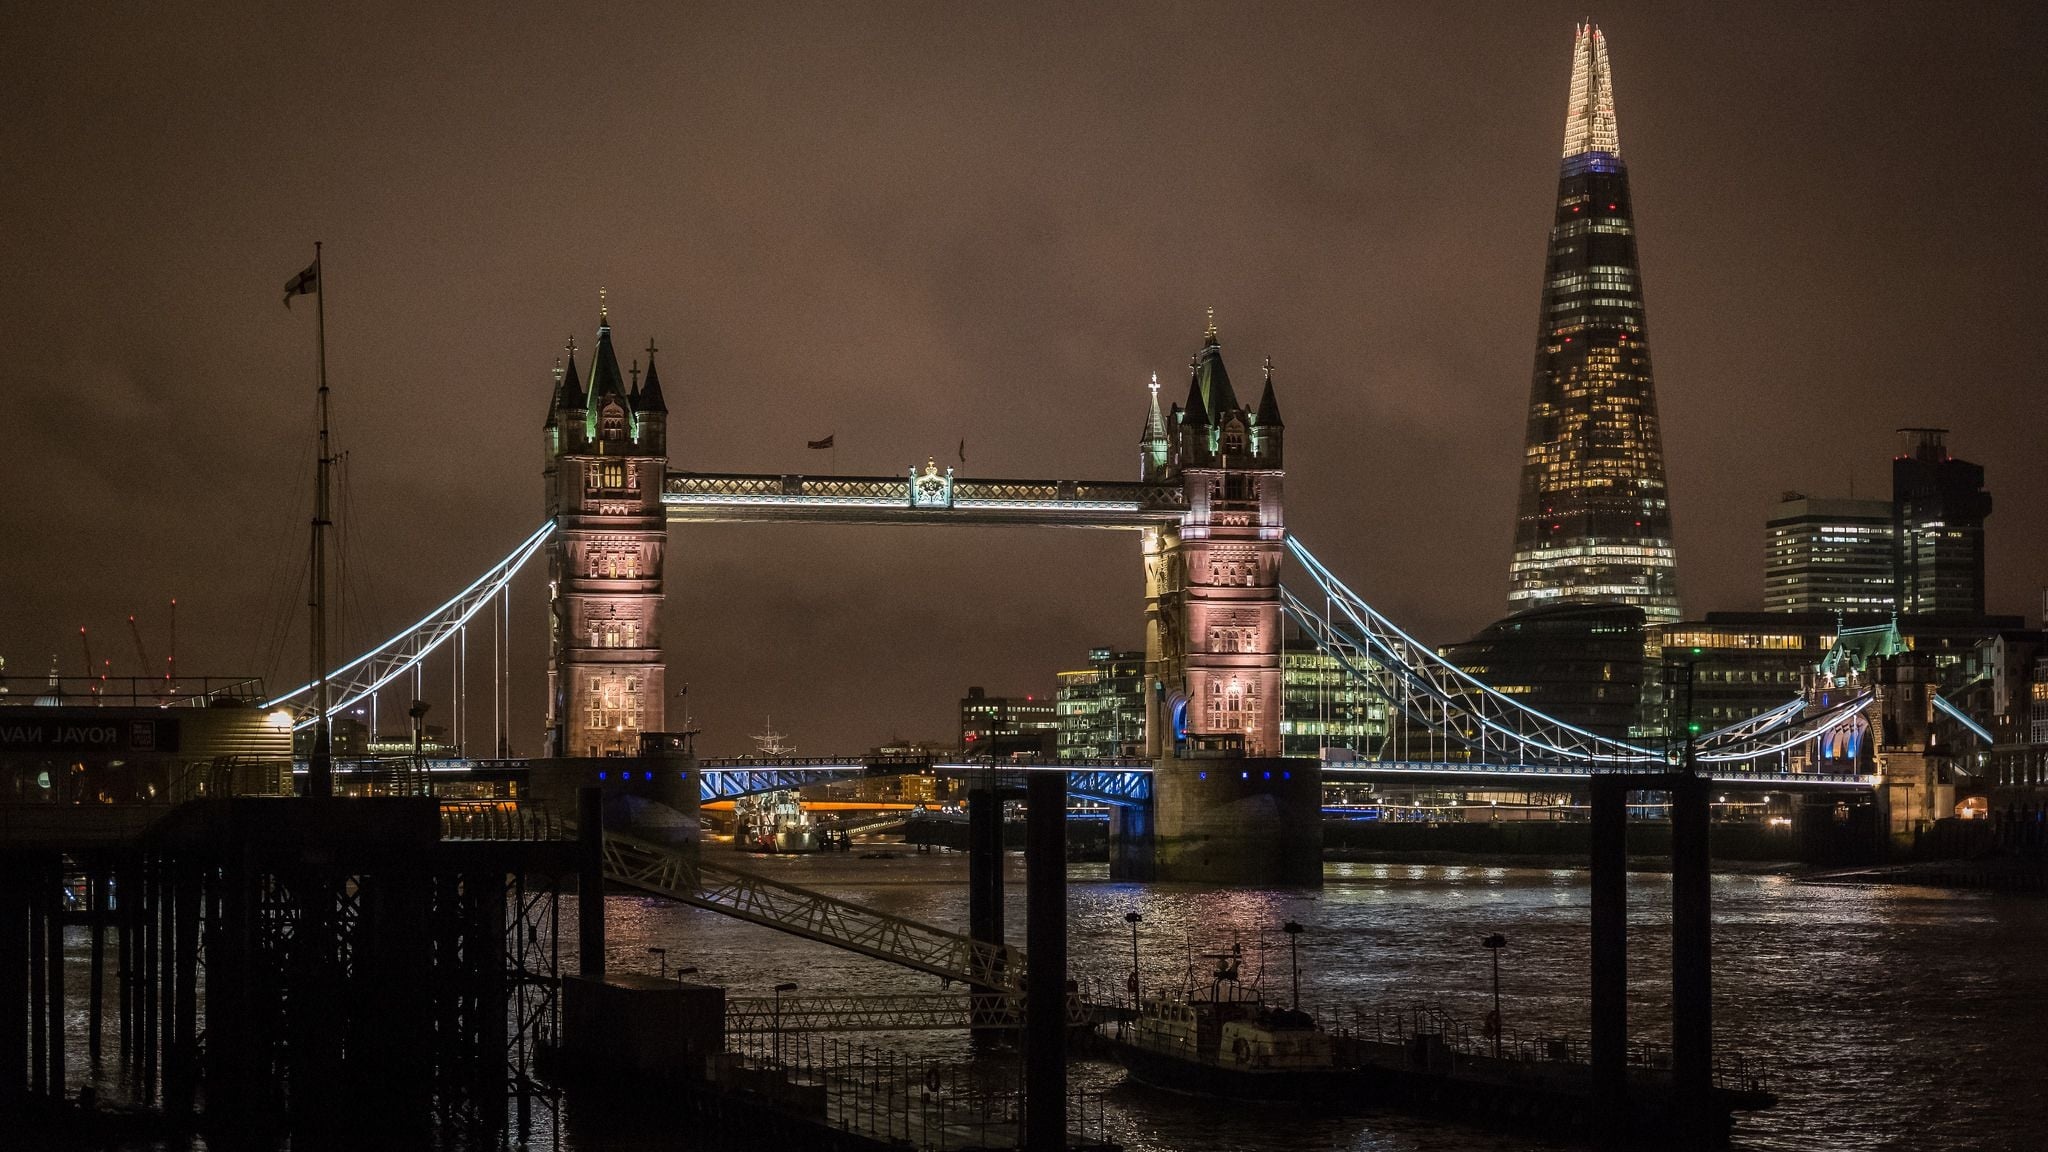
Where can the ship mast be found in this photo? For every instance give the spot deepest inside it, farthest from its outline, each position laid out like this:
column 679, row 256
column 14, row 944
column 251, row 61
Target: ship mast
column 320, row 766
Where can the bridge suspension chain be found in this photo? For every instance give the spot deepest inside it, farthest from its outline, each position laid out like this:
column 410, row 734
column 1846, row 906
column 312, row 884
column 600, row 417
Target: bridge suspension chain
column 364, row 675
column 1435, row 693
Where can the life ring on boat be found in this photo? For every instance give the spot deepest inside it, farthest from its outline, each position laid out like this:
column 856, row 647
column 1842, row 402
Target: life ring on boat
column 1242, row 1049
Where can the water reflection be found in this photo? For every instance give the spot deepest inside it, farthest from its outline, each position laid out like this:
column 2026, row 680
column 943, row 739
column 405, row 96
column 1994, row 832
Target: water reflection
column 1898, row 1017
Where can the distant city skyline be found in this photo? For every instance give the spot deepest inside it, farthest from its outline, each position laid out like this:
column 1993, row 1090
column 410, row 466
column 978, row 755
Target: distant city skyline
column 905, row 237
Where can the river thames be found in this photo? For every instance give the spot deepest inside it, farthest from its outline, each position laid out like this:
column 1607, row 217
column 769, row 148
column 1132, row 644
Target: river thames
column 1891, row 1017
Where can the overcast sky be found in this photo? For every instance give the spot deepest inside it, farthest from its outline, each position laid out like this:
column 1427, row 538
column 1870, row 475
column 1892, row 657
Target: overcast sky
column 906, row 226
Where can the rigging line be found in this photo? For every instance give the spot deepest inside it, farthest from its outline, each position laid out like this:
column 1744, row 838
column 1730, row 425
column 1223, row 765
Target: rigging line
column 275, row 597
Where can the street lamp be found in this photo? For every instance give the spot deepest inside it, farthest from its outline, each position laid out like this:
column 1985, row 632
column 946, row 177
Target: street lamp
column 1133, row 919
column 682, row 972
column 660, row 954
column 775, row 1026
column 1293, row 931
column 1494, row 944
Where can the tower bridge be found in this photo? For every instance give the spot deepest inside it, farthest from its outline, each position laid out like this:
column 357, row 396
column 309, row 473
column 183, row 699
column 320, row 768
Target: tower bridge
column 1210, row 796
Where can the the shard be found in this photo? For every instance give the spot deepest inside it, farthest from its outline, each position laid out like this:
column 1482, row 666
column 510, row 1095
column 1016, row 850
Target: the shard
column 1594, row 525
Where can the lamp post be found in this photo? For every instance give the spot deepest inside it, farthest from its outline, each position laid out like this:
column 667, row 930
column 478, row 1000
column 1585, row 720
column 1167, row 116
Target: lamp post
column 1133, row 919
column 1293, row 931
column 682, row 972
column 776, row 1025
column 1494, row 944
column 660, row 954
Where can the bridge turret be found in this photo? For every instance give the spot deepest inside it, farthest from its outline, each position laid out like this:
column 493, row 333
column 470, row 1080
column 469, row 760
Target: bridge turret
column 650, row 411
column 1267, row 427
column 565, row 411
column 1155, row 450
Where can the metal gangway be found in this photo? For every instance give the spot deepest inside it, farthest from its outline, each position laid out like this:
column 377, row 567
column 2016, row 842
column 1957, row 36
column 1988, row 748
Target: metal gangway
column 679, row 875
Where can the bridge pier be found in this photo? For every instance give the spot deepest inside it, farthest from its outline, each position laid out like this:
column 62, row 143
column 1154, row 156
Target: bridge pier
column 1045, row 977
column 1130, row 843
column 1692, row 1005
column 590, row 883
column 985, row 884
column 1692, row 928
column 1610, row 947
column 15, row 1006
column 1238, row 820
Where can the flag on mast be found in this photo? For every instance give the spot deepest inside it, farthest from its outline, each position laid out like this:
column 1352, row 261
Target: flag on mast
column 963, row 451
column 304, row 283
column 821, row 444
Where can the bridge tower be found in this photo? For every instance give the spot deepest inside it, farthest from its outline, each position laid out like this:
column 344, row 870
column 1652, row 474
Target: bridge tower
column 607, row 455
column 1225, row 807
column 1213, row 586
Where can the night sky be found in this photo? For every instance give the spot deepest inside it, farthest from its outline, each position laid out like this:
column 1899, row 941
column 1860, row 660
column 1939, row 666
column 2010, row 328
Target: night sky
column 909, row 226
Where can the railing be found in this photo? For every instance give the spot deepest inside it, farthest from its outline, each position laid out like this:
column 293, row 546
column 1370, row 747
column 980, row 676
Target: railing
column 131, row 691
column 930, row 1105
column 1465, row 1038
column 502, row 820
column 891, row 1012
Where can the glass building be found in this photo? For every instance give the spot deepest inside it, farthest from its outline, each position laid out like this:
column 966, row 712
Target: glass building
column 1594, row 522
column 1101, row 708
column 1322, row 706
column 1939, row 505
column 1829, row 556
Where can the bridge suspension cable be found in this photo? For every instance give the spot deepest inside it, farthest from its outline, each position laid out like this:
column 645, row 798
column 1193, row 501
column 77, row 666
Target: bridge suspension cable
column 364, row 675
column 1445, row 698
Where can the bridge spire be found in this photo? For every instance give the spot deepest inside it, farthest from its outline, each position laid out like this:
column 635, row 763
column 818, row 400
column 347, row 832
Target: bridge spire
column 605, row 378
column 568, row 386
column 1155, row 447
column 1269, row 407
column 650, row 398
column 1217, row 396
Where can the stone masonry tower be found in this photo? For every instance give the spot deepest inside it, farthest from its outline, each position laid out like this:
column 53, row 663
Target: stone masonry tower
column 1214, row 585
column 607, row 455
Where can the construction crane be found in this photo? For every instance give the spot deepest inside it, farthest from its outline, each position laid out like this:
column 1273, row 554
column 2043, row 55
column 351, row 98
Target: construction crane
column 134, row 630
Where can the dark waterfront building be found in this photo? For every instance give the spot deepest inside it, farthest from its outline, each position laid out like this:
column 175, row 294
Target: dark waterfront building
column 999, row 725
column 1594, row 525
column 1829, row 556
column 1749, row 662
column 1939, row 505
column 1582, row 663
column 1101, row 708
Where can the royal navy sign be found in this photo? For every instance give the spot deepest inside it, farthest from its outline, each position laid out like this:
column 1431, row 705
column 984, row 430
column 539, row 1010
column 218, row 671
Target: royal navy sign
column 85, row 733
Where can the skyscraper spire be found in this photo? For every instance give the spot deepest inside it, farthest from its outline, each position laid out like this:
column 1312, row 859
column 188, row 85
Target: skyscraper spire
column 1589, row 118
column 1594, row 523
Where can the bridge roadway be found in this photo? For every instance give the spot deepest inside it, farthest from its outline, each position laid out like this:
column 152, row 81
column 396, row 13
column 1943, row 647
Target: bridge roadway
column 1128, row 782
